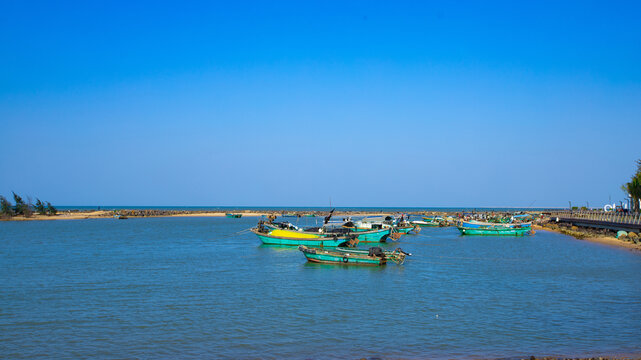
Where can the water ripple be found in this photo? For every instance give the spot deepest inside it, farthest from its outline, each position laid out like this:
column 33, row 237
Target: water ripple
column 183, row 287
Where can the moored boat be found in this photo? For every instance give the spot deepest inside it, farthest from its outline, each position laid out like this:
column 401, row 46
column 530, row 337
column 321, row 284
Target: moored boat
column 376, row 235
column 281, row 225
column 399, row 226
column 371, row 234
column 364, row 235
column 481, row 224
column 405, row 229
column 432, row 221
column 373, row 257
column 293, row 238
column 495, row 230
column 422, row 223
column 236, row 216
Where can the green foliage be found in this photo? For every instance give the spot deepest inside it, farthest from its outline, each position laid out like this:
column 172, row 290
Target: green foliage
column 20, row 208
column 50, row 209
column 5, row 207
column 25, row 208
column 40, row 207
column 633, row 187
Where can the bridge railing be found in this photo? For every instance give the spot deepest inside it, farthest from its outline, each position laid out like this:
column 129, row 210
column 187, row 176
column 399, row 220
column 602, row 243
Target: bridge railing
column 613, row 217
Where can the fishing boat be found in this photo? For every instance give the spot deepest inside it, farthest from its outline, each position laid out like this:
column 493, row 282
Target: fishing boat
column 373, row 257
column 424, row 223
column 496, row 230
column 328, row 230
column 372, row 234
column 376, row 222
column 398, row 226
column 480, row 224
column 375, row 235
column 236, row 216
column 403, row 225
column 433, row 218
column 281, row 225
column 406, row 228
column 431, row 221
column 294, row 238
column 388, row 253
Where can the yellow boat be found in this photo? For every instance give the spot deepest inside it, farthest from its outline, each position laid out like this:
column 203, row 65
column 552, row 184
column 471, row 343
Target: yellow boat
column 293, row 234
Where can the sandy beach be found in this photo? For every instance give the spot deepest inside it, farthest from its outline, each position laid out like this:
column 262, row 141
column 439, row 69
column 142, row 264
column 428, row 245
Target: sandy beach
column 102, row 214
column 586, row 236
column 106, row 214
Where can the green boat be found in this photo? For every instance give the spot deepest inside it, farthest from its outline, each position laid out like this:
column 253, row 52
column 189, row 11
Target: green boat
column 230, row 215
column 431, row 221
column 294, row 238
column 372, row 257
column 495, row 230
column 404, row 229
column 364, row 235
column 394, row 230
column 372, row 235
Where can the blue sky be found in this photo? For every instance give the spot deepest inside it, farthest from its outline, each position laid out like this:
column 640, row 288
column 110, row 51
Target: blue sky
column 289, row 103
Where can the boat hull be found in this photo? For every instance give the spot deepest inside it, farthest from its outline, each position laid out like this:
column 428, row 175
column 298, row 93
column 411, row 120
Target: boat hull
column 508, row 231
column 404, row 229
column 294, row 234
column 364, row 235
column 368, row 235
column 268, row 239
column 343, row 258
column 479, row 224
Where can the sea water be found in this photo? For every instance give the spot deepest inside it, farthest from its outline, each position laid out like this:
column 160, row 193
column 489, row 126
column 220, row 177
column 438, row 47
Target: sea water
column 203, row 287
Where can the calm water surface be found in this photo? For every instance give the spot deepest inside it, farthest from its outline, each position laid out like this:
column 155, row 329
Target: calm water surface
column 190, row 288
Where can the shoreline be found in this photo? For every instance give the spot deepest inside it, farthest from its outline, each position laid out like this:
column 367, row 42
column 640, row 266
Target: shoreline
column 579, row 234
column 109, row 214
column 586, row 236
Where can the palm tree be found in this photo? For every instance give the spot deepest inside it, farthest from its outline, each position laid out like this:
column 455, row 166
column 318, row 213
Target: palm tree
column 634, row 188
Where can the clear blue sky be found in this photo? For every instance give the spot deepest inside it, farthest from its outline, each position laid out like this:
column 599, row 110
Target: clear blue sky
column 288, row 103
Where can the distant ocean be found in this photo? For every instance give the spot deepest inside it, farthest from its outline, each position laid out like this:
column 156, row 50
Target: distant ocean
column 306, row 208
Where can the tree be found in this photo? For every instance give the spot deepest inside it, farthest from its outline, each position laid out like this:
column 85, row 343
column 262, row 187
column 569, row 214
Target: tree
column 40, row 207
column 28, row 210
column 5, row 207
column 633, row 188
column 50, row 209
column 20, row 208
